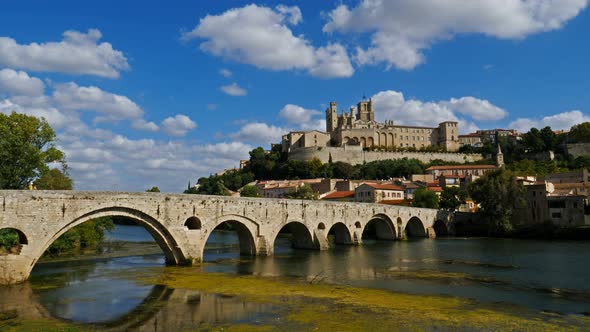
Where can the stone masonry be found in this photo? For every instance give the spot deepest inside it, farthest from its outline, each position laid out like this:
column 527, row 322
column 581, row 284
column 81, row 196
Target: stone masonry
column 181, row 224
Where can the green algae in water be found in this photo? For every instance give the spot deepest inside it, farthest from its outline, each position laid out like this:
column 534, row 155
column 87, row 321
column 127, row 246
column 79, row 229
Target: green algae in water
column 321, row 306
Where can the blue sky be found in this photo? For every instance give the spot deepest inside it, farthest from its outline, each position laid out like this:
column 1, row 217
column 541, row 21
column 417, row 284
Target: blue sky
column 148, row 95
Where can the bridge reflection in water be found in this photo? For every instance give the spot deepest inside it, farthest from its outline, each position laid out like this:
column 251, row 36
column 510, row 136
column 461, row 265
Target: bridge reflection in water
column 163, row 309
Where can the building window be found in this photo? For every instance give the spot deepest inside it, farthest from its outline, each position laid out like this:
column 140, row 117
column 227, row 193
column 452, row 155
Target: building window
column 556, row 215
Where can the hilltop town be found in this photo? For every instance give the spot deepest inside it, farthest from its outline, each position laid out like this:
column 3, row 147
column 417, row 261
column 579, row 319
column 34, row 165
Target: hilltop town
column 359, row 159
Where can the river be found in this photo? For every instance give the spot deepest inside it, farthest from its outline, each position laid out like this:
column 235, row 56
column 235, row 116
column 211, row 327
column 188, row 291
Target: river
column 537, row 276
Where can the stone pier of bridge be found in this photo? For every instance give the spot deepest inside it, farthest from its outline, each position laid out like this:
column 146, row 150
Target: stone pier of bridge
column 181, row 224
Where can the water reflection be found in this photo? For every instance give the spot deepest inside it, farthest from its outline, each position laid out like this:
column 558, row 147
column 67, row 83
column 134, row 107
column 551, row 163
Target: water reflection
column 539, row 275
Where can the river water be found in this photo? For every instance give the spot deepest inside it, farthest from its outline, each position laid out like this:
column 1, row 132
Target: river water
column 538, row 275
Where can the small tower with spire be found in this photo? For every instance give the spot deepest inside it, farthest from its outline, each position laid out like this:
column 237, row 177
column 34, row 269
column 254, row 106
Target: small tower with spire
column 499, row 158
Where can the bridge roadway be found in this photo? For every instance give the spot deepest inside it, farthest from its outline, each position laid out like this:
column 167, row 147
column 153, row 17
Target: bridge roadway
column 181, row 224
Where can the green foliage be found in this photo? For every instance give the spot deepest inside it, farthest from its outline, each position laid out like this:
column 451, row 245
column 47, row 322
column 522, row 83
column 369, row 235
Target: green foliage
column 425, row 198
column 26, row 147
column 8, row 239
column 580, row 133
column 341, row 170
column 153, row 190
column 86, row 235
column 303, row 192
column 498, row 194
column 451, row 198
column 249, row 191
column 532, row 167
column 54, row 179
column 213, row 185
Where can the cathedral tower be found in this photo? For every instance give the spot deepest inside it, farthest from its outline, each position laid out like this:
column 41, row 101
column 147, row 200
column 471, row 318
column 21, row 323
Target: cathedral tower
column 332, row 117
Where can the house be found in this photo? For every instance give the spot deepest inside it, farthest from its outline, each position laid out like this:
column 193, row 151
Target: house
column 375, row 193
column 449, row 180
column 464, row 170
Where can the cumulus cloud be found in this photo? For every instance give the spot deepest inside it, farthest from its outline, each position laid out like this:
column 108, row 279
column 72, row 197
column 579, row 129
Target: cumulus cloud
column 401, row 30
column 178, row 125
column 20, row 83
column 478, row 109
column 392, row 105
column 265, row 40
column 78, row 53
column 259, row 133
column 558, row 121
column 295, row 114
column 234, row 90
column 110, row 106
column 54, row 117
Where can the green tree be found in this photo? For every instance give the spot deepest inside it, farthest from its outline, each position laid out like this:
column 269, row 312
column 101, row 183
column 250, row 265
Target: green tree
column 451, row 198
column 249, row 191
column 425, row 198
column 303, row 192
column 549, row 138
column 54, row 179
column 86, row 235
column 533, row 142
column 27, row 145
column 580, row 133
column 342, row 170
column 153, row 190
column 498, row 194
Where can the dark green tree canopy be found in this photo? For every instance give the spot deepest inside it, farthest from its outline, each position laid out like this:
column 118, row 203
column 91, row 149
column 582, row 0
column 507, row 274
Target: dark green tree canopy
column 153, row 190
column 27, row 145
column 499, row 194
column 54, row 179
column 249, row 191
column 425, row 198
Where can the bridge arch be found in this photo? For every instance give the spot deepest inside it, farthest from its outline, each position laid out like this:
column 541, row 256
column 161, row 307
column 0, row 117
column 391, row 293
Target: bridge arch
column 383, row 225
column 301, row 236
column 159, row 232
column 415, row 228
column 246, row 228
column 440, row 228
column 341, row 233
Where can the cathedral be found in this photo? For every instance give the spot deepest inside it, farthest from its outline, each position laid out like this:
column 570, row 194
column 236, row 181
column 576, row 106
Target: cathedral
column 358, row 127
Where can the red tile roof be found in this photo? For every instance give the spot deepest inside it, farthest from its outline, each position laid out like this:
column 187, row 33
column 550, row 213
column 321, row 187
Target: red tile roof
column 435, row 189
column 339, row 194
column 441, row 168
column 395, row 202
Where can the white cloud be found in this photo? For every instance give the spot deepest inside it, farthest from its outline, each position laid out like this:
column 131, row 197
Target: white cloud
column 478, row 109
column 401, row 30
column 109, row 106
column 225, row 73
column 298, row 115
column 141, row 124
column 77, row 53
column 20, row 83
column 259, row 133
column 54, row 117
column 234, row 90
column 178, row 125
column 558, row 121
column 265, row 40
column 391, row 105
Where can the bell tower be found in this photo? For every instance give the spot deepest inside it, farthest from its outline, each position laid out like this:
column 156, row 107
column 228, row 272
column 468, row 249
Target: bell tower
column 332, row 117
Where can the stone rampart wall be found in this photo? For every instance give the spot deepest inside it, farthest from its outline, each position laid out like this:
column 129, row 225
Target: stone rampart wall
column 355, row 155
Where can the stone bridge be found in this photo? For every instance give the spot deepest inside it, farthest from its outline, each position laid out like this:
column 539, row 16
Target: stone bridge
column 181, row 224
